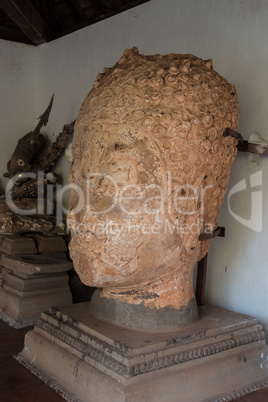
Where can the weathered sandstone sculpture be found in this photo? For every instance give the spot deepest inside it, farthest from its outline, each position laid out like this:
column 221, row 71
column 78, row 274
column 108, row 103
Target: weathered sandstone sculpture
column 153, row 166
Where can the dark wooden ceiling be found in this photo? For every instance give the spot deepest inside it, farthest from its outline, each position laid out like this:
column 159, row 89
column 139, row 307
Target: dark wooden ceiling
column 40, row 21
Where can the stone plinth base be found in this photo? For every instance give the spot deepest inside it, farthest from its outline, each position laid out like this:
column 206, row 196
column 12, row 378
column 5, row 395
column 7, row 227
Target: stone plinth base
column 220, row 357
column 17, row 245
column 48, row 244
column 30, row 285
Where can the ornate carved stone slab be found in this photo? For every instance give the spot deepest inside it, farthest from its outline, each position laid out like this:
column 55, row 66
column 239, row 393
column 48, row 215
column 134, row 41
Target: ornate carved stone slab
column 31, row 284
column 17, row 245
column 49, row 244
column 221, row 356
column 12, row 223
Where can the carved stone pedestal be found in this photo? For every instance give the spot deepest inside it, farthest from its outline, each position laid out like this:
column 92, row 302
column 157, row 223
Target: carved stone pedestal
column 218, row 358
column 31, row 284
column 17, row 245
column 50, row 244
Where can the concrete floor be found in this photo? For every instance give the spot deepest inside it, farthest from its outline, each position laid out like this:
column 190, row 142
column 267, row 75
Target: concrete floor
column 18, row 385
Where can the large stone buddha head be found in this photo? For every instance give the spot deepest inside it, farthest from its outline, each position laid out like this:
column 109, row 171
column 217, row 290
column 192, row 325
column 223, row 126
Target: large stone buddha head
column 150, row 170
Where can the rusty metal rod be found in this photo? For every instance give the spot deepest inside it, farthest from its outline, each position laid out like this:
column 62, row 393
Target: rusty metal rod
column 253, row 148
column 219, row 231
column 234, row 134
column 245, row 146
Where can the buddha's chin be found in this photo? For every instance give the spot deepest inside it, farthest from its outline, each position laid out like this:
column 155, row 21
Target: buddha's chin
column 94, row 272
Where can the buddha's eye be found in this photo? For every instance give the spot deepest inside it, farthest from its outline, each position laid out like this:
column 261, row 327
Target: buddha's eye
column 85, row 170
column 86, row 166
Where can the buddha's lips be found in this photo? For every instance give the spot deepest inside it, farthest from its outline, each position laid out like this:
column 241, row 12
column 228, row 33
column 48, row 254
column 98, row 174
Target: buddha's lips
column 79, row 244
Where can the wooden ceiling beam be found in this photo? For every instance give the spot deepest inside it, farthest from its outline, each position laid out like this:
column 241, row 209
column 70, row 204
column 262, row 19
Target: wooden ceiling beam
column 124, row 2
column 97, row 17
column 26, row 17
column 15, row 35
column 45, row 9
column 98, row 5
column 77, row 9
column 133, row 4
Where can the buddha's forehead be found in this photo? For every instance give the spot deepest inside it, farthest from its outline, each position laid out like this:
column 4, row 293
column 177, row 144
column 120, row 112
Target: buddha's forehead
column 170, row 111
column 111, row 147
column 140, row 89
column 174, row 99
column 120, row 137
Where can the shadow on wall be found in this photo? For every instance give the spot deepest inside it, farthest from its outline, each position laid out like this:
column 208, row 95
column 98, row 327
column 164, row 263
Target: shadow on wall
column 80, row 292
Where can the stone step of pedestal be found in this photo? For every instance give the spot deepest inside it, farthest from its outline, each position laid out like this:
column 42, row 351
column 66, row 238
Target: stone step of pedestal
column 141, row 347
column 220, row 356
column 1, row 266
column 35, row 264
column 31, row 284
column 61, row 255
column 49, row 244
column 21, row 312
column 38, row 292
column 17, row 245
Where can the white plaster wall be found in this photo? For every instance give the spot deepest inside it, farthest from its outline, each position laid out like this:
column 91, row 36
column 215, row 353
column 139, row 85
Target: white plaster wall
column 18, row 75
column 234, row 34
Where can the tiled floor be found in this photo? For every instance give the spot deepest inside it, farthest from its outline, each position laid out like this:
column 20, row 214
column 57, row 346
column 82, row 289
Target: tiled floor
column 18, row 385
